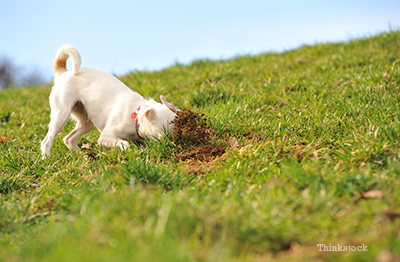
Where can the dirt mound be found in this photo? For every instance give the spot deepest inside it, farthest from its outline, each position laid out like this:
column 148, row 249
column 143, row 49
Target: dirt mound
column 193, row 136
column 191, row 128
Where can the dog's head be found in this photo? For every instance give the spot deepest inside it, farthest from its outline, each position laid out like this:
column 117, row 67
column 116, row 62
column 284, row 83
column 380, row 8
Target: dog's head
column 155, row 118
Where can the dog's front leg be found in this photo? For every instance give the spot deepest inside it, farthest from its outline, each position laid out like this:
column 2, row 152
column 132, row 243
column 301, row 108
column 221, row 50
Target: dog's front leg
column 110, row 140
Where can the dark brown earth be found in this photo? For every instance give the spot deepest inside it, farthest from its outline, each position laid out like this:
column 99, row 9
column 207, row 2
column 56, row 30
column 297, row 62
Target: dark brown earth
column 193, row 136
column 191, row 128
column 202, row 153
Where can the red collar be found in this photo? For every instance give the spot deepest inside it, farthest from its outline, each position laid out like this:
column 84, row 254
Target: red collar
column 135, row 116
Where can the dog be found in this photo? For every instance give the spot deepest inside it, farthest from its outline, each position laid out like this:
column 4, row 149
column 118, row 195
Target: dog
column 98, row 99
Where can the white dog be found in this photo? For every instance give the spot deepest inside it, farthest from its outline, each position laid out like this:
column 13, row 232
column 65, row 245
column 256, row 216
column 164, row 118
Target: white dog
column 98, row 99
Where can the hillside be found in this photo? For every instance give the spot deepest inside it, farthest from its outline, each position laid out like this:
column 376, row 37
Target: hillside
column 312, row 157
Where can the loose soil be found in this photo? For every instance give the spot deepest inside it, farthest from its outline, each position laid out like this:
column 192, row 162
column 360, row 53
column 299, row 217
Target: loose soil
column 192, row 129
column 202, row 153
column 193, row 137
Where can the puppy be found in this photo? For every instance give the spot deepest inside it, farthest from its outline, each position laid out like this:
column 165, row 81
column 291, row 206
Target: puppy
column 98, row 99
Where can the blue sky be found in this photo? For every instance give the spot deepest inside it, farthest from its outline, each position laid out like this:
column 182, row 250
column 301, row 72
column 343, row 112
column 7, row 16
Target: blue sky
column 120, row 36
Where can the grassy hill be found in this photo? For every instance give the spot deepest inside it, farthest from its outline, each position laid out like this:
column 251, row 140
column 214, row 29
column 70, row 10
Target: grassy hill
column 313, row 157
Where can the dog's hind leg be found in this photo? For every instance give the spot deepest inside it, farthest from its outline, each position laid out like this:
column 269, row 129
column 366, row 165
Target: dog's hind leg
column 58, row 120
column 83, row 126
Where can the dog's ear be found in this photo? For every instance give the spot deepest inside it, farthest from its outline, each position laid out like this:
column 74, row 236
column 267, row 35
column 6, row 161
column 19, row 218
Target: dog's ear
column 168, row 104
column 149, row 114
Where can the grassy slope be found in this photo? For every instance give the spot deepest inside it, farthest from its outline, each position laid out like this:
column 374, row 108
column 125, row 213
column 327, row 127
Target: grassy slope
column 317, row 126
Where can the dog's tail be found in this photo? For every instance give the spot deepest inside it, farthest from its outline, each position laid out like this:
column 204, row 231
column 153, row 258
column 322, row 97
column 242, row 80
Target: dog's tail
column 60, row 61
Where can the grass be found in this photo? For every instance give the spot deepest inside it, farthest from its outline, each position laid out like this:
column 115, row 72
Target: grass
column 317, row 127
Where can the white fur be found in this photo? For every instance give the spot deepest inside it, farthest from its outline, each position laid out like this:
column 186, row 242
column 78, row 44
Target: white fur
column 98, row 99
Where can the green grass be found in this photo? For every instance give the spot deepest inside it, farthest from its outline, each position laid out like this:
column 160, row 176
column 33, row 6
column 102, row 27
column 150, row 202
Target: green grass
column 317, row 127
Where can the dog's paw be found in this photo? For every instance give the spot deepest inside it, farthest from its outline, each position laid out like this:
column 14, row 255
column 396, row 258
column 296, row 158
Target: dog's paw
column 123, row 144
column 45, row 151
column 45, row 156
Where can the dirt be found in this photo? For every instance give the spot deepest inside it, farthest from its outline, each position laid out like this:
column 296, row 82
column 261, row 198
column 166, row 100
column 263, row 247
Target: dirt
column 202, row 153
column 191, row 128
column 193, row 137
